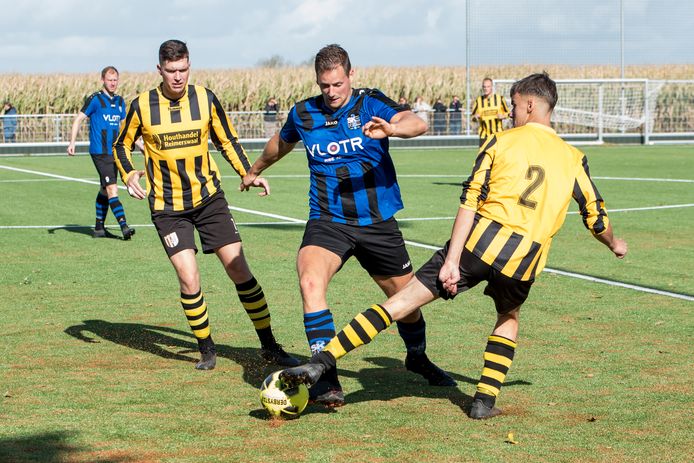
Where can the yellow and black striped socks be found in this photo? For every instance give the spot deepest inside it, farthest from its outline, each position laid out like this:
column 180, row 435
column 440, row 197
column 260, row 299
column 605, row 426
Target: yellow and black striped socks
column 253, row 300
column 498, row 357
column 361, row 330
column 195, row 308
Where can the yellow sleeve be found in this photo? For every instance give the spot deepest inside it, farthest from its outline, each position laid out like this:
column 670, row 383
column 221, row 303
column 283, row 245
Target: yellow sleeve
column 122, row 148
column 476, row 186
column 590, row 203
column 225, row 138
column 504, row 106
column 475, row 106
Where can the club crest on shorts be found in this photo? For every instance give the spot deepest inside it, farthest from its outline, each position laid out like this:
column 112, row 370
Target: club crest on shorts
column 171, row 240
column 107, row 178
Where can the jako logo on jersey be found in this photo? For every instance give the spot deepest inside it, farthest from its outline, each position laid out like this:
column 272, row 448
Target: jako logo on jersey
column 171, row 240
column 111, row 117
column 331, row 123
column 337, row 147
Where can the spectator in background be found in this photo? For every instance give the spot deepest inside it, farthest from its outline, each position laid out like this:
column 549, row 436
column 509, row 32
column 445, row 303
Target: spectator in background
column 9, row 122
column 454, row 118
column 421, row 108
column 270, row 117
column 402, row 101
column 490, row 110
column 439, row 118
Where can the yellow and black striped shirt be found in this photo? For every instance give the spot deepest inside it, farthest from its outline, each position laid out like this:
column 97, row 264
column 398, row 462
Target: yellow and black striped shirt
column 487, row 109
column 180, row 172
column 520, row 186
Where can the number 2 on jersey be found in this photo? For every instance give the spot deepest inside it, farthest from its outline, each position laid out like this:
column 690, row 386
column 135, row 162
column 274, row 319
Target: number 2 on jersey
column 537, row 175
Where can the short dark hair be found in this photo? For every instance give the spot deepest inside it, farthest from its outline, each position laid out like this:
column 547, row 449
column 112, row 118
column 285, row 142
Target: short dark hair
column 108, row 69
column 331, row 56
column 539, row 85
column 172, row 50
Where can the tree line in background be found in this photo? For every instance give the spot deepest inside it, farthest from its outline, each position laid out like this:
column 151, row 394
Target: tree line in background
column 249, row 89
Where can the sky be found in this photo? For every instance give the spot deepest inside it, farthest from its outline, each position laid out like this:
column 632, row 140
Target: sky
column 65, row 36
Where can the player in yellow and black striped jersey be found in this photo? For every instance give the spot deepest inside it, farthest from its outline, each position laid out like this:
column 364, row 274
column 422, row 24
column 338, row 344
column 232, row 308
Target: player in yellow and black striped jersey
column 181, row 174
column 512, row 205
column 490, row 110
column 184, row 191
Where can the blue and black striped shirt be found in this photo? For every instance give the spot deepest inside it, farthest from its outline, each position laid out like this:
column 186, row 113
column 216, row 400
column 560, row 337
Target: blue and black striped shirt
column 353, row 179
column 105, row 114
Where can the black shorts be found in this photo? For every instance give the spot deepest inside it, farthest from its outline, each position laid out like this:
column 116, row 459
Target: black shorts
column 212, row 219
column 106, row 168
column 379, row 248
column 506, row 292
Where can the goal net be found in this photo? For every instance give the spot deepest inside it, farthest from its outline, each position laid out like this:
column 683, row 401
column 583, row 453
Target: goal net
column 605, row 105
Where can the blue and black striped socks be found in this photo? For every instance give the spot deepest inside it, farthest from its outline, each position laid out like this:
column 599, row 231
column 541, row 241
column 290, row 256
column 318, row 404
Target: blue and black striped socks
column 320, row 329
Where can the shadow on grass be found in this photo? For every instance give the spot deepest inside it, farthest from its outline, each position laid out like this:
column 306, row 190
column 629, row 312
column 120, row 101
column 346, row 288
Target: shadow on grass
column 458, row 184
column 50, row 447
column 391, row 380
column 82, row 230
column 171, row 344
column 386, row 381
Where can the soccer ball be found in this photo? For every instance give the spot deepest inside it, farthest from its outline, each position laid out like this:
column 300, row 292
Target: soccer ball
column 280, row 400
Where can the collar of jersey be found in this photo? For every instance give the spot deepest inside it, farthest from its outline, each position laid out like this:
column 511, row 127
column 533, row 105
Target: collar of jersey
column 542, row 126
column 338, row 112
column 161, row 92
column 107, row 95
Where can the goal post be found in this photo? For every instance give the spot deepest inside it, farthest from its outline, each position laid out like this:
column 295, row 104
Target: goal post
column 595, row 107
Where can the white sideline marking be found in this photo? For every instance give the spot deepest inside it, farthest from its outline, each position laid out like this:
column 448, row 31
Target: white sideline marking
column 36, row 180
column 141, row 225
column 465, row 176
column 609, row 211
column 639, row 179
column 267, row 214
column 291, row 220
column 62, row 177
column 619, row 283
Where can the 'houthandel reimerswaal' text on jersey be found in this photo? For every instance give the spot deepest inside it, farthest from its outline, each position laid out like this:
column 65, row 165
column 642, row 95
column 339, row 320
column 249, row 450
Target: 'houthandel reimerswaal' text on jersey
column 180, row 172
column 353, row 179
column 173, row 140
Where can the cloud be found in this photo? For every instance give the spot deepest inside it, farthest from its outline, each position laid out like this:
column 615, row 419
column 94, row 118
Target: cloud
column 81, row 35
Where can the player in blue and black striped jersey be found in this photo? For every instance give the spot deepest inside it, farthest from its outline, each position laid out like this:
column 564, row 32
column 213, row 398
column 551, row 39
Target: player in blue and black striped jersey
column 105, row 110
column 353, row 197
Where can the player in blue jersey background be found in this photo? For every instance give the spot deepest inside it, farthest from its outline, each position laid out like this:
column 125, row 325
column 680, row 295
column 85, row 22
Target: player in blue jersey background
column 105, row 111
column 353, row 197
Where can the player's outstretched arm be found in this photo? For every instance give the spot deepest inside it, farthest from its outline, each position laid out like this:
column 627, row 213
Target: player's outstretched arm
column 73, row 132
column 449, row 275
column 275, row 149
column 404, row 124
column 617, row 245
column 133, row 184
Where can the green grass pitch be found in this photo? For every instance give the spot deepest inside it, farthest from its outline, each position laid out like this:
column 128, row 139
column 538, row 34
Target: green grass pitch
column 97, row 359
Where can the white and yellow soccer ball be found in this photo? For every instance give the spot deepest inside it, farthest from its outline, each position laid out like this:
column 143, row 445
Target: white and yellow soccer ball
column 280, row 400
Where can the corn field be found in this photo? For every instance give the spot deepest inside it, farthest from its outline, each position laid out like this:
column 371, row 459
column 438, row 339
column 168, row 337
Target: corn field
column 249, row 89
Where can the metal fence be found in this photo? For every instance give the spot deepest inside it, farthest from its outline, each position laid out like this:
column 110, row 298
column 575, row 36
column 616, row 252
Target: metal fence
column 652, row 110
